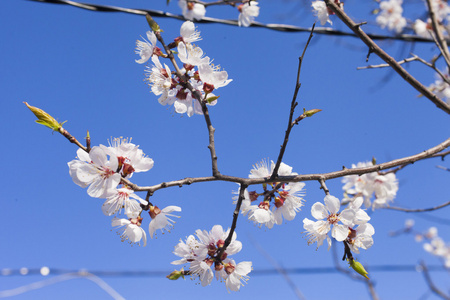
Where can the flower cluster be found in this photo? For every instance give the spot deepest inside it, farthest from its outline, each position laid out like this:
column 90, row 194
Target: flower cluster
column 193, row 86
column 205, row 253
column 322, row 12
column 441, row 87
column 383, row 187
column 435, row 245
column 391, row 15
column 279, row 200
column 102, row 170
column 248, row 11
column 353, row 227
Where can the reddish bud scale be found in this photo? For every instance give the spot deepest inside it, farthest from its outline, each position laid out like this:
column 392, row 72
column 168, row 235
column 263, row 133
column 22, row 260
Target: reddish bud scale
column 188, row 67
column 220, row 243
column 154, row 211
column 181, row 94
column 218, row 266
column 208, row 88
column 351, row 235
column 279, row 202
column 127, row 170
column 253, row 196
column 137, row 221
column 229, row 268
column 163, row 71
column 190, row 5
column 121, row 161
column 157, row 51
column 240, row 7
column 196, row 76
column 211, row 249
column 264, row 205
column 209, row 261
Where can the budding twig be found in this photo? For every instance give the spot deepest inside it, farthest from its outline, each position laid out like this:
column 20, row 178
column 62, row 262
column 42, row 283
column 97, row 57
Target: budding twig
column 293, row 105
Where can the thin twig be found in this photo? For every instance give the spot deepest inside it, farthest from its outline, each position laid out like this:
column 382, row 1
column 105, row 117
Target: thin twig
column 197, row 95
column 282, row 271
column 387, row 65
column 352, row 275
column 388, row 59
column 440, row 41
column 233, row 224
column 323, row 186
column 442, row 155
column 418, row 209
column 292, row 110
column 443, row 168
column 430, row 283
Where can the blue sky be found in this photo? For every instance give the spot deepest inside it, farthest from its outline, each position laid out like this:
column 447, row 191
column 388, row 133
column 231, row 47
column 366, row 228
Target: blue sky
column 79, row 66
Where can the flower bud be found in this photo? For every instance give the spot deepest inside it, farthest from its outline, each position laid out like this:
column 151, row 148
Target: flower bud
column 358, row 267
column 152, row 23
column 311, row 112
column 176, row 274
column 44, row 118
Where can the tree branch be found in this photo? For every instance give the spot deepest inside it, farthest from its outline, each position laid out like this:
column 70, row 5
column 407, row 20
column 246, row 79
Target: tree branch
column 373, row 47
column 307, row 177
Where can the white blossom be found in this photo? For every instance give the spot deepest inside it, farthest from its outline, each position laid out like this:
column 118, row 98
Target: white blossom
column 145, row 48
column 321, row 12
column 161, row 218
column 235, row 275
column 95, row 170
column 130, row 158
column 191, row 10
column 202, row 255
column 123, row 198
column 189, row 33
column 383, row 187
column 327, row 219
column 248, row 12
column 130, row 230
column 391, row 15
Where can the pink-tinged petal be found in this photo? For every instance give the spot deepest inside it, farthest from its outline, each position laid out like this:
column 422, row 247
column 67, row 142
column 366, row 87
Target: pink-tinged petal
column 332, row 203
column 319, row 211
column 340, row 232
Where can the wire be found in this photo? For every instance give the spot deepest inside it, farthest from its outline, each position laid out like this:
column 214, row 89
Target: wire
column 64, row 277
